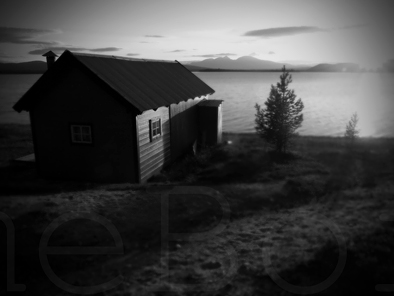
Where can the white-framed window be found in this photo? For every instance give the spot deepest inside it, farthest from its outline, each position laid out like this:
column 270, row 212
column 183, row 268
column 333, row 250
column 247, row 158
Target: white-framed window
column 155, row 128
column 81, row 134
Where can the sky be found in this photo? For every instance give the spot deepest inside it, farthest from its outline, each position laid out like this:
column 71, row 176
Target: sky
column 295, row 31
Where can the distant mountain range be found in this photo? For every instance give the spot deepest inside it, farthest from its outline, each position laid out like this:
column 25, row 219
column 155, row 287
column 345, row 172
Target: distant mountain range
column 246, row 63
column 341, row 67
column 35, row 67
column 242, row 63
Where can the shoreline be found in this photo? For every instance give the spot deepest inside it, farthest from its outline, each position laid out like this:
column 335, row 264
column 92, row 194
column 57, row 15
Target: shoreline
column 23, row 126
column 313, row 136
column 233, row 70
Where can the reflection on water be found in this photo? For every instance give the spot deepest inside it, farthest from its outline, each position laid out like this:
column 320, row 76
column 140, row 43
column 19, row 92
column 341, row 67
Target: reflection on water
column 329, row 98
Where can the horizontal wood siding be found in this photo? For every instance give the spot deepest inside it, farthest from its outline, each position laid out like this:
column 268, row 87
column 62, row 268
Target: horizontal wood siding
column 153, row 155
column 184, row 126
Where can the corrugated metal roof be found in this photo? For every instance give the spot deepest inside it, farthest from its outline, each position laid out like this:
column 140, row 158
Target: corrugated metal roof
column 145, row 84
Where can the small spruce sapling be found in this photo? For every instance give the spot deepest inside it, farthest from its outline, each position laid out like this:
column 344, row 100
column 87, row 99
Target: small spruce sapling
column 352, row 132
column 278, row 121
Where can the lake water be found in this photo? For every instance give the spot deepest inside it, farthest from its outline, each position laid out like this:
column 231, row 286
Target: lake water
column 329, row 98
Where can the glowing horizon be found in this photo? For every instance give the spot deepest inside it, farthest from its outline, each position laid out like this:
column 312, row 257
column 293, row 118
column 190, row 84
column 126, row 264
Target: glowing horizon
column 309, row 32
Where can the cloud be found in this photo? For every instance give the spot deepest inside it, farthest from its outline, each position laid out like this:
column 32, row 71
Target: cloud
column 271, row 52
column 105, row 49
column 60, row 49
column 57, row 50
column 24, row 36
column 133, row 54
column 290, row 31
column 283, row 31
column 206, row 56
column 178, row 50
column 216, row 55
column 154, row 36
column 227, row 54
column 4, row 56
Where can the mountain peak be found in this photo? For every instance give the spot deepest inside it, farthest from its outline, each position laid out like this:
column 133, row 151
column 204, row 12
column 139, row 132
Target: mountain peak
column 242, row 63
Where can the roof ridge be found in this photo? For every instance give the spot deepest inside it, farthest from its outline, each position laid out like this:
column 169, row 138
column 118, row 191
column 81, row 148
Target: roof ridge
column 143, row 86
column 120, row 57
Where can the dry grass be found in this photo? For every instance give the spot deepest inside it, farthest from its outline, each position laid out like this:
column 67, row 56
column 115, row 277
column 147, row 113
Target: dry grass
column 287, row 215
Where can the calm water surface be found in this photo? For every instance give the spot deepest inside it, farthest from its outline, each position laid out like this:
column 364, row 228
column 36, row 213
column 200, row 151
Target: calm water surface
column 329, row 98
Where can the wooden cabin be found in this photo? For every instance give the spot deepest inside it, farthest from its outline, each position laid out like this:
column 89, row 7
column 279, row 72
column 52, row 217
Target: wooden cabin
column 113, row 119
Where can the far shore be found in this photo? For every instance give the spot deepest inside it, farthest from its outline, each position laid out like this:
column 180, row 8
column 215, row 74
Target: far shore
column 230, row 70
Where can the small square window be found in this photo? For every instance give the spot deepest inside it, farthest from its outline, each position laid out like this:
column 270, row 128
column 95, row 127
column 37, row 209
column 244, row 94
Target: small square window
column 155, row 128
column 81, row 134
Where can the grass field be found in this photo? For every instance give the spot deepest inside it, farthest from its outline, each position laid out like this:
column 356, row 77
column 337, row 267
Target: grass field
column 320, row 219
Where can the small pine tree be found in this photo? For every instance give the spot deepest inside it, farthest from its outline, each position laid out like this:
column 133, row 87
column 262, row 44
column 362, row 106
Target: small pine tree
column 352, row 132
column 282, row 116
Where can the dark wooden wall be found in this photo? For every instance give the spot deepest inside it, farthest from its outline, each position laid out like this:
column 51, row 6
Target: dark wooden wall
column 184, row 126
column 80, row 100
column 210, row 123
column 153, row 156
